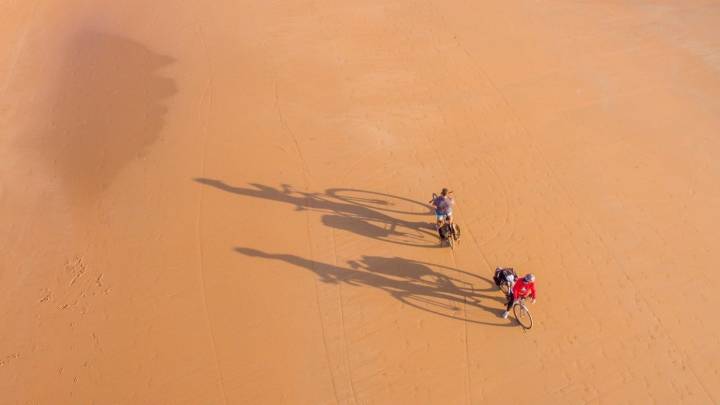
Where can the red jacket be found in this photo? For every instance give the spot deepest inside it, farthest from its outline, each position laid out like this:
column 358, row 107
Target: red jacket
column 523, row 289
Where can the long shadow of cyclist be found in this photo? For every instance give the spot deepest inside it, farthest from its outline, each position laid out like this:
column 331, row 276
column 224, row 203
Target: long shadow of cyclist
column 412, row 282
column 356, row 211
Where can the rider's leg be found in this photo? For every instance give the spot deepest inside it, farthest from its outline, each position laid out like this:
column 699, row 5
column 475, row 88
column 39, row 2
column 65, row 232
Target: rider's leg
column 511, row 300
column 449, row 217
column 440, row 219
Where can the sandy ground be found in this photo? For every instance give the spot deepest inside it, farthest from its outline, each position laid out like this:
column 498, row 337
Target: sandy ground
column 224, row 202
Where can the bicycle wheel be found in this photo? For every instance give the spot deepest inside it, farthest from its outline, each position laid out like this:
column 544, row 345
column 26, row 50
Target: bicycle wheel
column 522, row 315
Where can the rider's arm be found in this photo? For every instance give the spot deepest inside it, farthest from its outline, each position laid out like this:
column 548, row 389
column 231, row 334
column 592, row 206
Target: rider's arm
column 532, row 290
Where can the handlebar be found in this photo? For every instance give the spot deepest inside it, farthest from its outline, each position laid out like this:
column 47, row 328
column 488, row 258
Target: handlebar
column 434, row 196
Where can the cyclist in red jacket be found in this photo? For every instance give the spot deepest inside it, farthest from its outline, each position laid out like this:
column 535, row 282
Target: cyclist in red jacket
column 523, row 288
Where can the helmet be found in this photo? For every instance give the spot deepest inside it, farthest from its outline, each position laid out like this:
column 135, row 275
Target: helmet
column 529, row 278
column 444, row 191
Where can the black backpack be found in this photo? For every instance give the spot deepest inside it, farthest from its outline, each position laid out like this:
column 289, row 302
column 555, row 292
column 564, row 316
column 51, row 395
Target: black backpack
column 445, row 231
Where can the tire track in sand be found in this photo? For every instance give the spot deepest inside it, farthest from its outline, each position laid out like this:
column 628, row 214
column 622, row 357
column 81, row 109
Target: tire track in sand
column 208, row 101
column 18, row 49
column 342, row 324
column 308, row 202
column 429, row 146
column 446, row 172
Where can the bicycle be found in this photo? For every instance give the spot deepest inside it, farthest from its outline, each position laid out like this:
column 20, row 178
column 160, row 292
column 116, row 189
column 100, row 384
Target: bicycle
column 522, row 313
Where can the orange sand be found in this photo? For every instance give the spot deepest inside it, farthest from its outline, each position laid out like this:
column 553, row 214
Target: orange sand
column 224, row 202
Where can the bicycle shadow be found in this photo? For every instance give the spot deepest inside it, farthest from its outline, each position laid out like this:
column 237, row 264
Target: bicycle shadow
column 356, row 211
column 412, row 282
